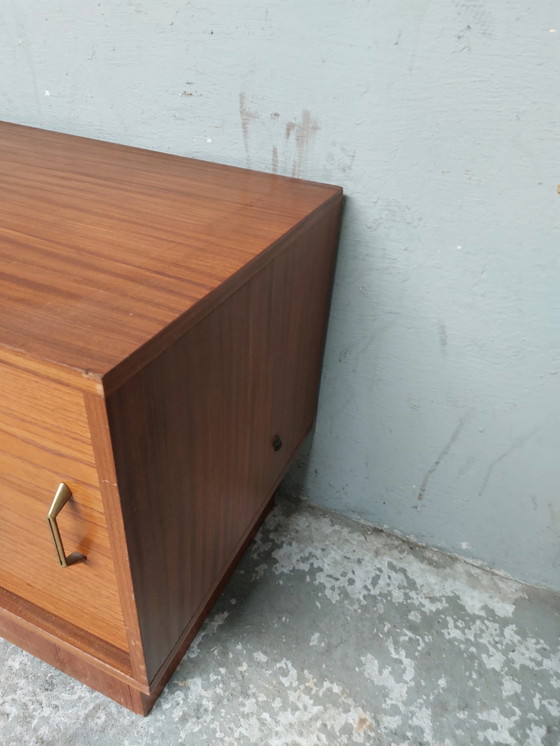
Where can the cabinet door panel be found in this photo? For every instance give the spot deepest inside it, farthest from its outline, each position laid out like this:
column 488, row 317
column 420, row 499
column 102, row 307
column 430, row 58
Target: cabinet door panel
column 300, row 295
column 193, row 433
column 188, row 434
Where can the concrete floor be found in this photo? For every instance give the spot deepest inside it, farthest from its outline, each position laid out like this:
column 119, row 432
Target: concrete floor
column 329, row 633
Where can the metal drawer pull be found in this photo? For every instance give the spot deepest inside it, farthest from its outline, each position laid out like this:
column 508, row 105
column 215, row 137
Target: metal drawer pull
column 63, row 494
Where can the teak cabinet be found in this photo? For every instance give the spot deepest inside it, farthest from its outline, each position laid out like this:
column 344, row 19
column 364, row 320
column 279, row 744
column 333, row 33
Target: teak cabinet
column 162, row 323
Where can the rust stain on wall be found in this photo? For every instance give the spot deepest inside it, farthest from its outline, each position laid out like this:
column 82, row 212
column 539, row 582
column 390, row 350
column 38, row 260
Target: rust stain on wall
column 246, row 117
column 290, row 127
column 304, row 132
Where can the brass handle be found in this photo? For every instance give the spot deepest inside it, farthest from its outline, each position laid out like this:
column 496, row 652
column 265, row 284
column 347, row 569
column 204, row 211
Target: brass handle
column 63, row 494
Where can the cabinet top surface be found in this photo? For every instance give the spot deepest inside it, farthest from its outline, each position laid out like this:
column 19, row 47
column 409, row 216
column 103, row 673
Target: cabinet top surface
column 103, row 246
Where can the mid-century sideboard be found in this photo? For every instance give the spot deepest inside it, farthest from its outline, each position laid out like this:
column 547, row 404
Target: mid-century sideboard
column 162, row 323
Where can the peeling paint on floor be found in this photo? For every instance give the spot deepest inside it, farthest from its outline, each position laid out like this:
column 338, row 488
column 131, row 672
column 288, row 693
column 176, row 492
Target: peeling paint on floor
column 329, row 632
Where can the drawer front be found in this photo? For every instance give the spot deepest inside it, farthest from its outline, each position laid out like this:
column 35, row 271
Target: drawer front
column 45, row 440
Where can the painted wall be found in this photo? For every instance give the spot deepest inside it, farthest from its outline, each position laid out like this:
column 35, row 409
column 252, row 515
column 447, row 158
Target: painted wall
column 439, row 413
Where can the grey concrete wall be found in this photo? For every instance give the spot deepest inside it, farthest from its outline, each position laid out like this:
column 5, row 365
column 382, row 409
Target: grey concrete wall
column 440, row 402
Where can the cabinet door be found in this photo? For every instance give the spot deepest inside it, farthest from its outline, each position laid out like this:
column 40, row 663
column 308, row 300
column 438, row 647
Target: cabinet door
column 44, row 440
column 292, row 351
column 193, row 434
column 188, row 434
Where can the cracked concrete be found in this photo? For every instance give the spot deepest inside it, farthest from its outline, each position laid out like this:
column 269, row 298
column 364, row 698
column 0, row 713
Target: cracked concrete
column 329, row 632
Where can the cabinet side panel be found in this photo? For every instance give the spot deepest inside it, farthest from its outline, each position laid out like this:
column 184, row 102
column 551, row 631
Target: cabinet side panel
column 193, row 433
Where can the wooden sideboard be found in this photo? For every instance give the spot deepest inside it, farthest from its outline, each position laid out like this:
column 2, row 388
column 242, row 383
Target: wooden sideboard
column 162, row 323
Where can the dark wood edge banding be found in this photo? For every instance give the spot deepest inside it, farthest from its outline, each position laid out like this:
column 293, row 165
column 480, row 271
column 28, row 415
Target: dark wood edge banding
column 101, row 439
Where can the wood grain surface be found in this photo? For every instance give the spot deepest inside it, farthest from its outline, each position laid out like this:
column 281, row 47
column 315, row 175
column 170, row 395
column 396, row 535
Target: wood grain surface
column 193, row 433
column 21, row 621
column 100, row 666
column 103, row 451
column 44, row 439
column 102, row 246
column 162, row 324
